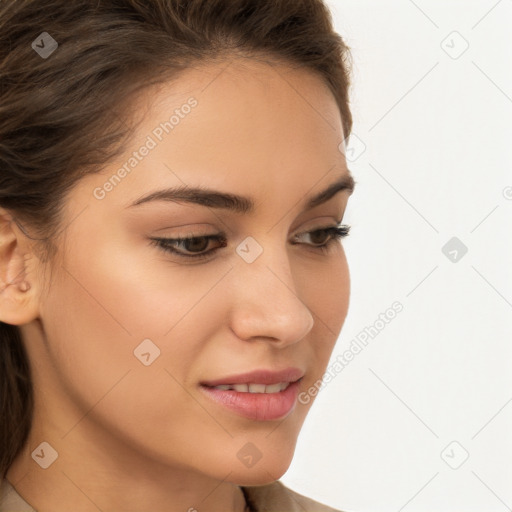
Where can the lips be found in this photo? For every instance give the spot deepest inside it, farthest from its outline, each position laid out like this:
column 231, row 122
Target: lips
column 259, row 395
column 266, row 377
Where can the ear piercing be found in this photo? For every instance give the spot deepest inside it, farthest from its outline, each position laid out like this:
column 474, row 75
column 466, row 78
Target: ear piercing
column 24, row 286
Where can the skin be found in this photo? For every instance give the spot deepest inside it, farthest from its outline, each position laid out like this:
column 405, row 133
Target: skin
column 133, row 437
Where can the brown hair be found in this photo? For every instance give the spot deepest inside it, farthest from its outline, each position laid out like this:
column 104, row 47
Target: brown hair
column 56, row 121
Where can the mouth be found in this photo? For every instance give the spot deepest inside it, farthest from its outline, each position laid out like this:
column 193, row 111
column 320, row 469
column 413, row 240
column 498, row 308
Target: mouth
column 260, row 395
column 253, row 387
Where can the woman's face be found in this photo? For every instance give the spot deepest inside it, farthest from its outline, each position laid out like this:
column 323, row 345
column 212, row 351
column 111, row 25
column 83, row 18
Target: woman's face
column 131, row 331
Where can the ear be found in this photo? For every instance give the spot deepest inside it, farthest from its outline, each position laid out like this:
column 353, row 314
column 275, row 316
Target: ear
column 18, row 285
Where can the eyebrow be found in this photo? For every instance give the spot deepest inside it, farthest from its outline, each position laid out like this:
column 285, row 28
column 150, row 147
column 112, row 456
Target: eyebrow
column 236, row 203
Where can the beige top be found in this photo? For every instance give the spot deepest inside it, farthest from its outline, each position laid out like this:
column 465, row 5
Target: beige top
column 274, row 497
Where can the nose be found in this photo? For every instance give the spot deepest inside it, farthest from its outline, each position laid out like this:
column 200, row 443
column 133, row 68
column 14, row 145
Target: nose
column 266, row 301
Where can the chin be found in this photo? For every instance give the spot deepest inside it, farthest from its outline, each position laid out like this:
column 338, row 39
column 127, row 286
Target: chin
column 262, row 473
column 255, row 478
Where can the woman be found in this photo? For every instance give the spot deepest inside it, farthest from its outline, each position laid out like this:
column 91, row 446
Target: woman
column 171, row 197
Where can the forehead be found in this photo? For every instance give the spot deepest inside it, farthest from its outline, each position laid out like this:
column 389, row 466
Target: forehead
column 253, row 95
column 262, row 129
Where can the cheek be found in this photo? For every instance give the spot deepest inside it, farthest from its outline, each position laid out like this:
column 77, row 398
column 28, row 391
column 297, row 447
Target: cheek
column 92, row 358
column 133, row 295
column 327, row 294
column 98, row 313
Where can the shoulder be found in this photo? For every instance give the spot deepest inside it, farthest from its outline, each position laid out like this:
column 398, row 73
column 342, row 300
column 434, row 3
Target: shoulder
column 10, row 500
column 276, row 497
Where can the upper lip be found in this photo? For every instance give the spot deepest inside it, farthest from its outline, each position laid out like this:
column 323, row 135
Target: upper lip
column 262, row 376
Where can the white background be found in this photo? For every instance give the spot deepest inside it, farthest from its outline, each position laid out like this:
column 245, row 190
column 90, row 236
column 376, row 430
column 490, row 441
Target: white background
column 436, row 125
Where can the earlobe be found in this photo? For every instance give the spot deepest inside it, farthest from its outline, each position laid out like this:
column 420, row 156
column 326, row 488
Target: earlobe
column 18, row 304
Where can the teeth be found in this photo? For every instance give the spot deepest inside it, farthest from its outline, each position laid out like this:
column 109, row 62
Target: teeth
column 224, row 387
column 275, row 388
column 254, row 388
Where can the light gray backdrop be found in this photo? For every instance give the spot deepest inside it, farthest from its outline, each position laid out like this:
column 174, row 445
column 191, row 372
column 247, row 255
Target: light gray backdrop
column 421, row 417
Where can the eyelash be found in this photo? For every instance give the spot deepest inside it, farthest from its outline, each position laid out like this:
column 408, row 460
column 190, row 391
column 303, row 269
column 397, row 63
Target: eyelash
column 335, row 232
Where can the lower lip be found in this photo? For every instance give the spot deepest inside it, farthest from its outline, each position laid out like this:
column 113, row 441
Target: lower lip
column 257, row 406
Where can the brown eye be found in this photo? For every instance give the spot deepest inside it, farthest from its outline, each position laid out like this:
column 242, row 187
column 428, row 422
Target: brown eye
column 198, row 244
column 321, row 238
column 190, row 247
